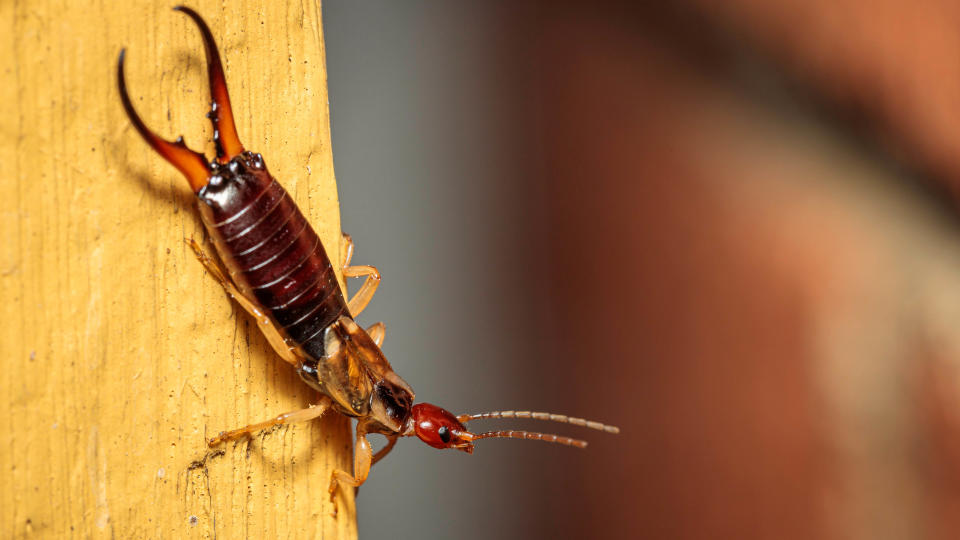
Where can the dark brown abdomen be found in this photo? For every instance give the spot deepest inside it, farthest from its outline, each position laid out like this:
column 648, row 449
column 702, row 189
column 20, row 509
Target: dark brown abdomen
column 272, row 253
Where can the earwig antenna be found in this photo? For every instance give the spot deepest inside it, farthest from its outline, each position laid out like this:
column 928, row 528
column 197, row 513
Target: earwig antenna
column 464, row 418
column 532, row 436
column 225, row 136
column 192, row 164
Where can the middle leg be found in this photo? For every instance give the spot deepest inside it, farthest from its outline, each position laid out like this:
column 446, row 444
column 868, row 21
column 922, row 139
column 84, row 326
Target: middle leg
column 302, row 415
column 377, row 331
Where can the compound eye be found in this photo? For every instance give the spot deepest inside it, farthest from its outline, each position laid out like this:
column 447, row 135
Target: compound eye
column 444, row 434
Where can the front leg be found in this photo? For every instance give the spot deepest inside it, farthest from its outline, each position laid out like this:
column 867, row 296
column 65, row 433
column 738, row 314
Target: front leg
column 362, row 459
column 391, row 442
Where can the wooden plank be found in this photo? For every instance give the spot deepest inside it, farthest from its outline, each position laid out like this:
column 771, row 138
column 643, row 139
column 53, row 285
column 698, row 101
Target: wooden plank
column 120, row 354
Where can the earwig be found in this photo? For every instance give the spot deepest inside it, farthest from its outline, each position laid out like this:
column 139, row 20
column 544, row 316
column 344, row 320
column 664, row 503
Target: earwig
column 275, row 267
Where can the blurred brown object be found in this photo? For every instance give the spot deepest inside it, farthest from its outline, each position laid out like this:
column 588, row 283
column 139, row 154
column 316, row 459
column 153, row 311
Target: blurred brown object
column 894, row 65
column 771, row 307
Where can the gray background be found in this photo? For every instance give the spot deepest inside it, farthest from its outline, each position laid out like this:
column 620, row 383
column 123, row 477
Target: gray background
column 723, row 227
column 424, row 169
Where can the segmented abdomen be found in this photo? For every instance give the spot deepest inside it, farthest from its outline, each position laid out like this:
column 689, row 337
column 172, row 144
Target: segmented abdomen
column 272, row 253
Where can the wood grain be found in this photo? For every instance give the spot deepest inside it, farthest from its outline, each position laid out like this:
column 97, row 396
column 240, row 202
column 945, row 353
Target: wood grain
column 120, row 355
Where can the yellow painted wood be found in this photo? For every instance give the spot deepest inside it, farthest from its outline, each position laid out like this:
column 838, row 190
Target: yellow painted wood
column 120, row 356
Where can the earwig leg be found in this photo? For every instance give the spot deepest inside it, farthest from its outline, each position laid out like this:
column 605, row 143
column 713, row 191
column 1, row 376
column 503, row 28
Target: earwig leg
column 302, row 415
column 377, row 331
column 347, row 250
column 360, row 300
column 211, row 265
column 266, row 325
column 391, row 442
column 362, row 459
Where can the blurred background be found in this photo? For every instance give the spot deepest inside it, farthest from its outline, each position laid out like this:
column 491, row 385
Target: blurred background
column 729, row 228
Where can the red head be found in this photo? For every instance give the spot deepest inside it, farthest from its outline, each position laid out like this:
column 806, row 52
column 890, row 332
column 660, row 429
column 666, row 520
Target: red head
column 440, row 429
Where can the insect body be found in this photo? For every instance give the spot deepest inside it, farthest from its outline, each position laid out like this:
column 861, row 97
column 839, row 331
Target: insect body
column 278, row 271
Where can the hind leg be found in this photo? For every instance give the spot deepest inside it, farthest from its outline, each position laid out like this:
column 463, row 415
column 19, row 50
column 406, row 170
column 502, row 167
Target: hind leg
column 363, row 296
column 263, row 322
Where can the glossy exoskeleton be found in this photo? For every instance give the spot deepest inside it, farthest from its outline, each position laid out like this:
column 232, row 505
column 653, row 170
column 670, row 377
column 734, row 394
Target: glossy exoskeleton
column 275, row 267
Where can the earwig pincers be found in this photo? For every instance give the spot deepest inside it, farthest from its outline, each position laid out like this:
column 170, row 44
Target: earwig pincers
column 275, row 267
